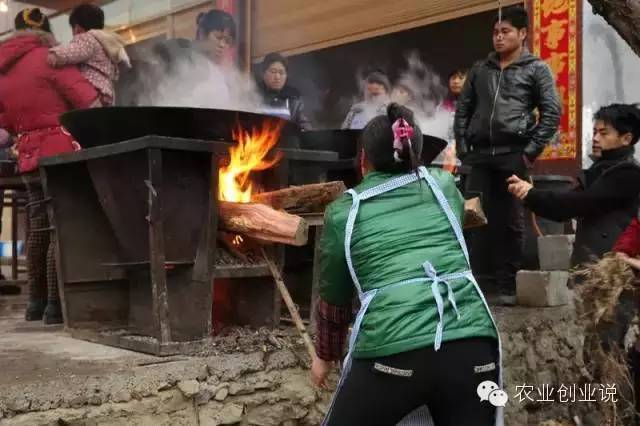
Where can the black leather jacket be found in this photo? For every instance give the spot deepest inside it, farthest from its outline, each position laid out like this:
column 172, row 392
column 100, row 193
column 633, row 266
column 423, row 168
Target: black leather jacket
column 289, row 97
column 496, row 107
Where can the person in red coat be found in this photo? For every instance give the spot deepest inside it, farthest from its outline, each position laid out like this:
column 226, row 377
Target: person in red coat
column 32, row 97
column 628, row 244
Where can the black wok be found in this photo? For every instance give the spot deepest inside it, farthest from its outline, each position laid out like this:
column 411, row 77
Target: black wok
column 345, row 142
column 104, row 126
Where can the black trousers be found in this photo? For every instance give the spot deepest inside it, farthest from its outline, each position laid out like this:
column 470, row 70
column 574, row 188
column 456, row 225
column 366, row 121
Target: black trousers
column 498, row 248
column 445, row 381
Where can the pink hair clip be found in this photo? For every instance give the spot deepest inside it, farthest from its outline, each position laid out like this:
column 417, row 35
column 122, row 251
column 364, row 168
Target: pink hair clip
column 401, row 130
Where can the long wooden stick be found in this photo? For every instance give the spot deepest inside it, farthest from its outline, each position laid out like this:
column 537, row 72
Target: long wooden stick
column 284, row 292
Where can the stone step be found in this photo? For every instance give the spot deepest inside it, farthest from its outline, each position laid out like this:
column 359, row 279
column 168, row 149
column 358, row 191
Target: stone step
column 554, row 252
column 542, row 288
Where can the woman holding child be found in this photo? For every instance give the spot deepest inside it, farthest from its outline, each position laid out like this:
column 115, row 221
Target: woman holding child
column 32, row 97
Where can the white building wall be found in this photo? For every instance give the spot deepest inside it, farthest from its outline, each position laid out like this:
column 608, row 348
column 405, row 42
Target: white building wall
column 611, row 71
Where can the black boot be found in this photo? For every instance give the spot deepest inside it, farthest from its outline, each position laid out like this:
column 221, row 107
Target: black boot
column 35, row 310
column 53, row 312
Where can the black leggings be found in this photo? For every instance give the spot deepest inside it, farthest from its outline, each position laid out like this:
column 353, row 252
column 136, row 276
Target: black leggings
column 445, row 381
column 41, row 260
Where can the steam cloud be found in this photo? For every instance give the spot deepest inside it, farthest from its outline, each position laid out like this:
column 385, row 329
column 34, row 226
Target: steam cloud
column 427, row 92
column 173, row 73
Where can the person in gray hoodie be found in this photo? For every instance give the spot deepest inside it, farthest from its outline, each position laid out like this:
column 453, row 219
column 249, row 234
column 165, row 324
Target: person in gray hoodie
column 376, row 99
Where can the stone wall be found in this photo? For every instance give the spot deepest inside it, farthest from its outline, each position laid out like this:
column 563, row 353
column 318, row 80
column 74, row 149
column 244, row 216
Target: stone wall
column 249, row 389
column 542, row 346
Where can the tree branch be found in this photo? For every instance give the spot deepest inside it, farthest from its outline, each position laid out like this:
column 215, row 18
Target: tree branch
column 623, row 16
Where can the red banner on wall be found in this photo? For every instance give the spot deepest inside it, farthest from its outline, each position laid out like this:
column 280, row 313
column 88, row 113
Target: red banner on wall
column 555, row 38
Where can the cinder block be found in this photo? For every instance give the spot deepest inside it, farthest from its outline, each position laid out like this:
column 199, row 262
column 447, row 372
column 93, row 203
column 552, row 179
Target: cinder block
column 542, row 288
column 554, row 252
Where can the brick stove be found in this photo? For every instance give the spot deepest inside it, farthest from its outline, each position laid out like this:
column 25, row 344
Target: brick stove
column 136, row 225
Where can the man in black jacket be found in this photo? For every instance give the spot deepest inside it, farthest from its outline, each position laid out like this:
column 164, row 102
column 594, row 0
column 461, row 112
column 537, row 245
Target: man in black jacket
column 498, row 134
column 607, row 199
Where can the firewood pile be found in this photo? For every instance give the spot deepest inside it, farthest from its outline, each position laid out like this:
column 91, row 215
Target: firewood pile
column 273, row 217
column 607, row 301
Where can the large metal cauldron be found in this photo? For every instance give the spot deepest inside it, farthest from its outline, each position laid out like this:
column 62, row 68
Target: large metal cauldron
column 346, row 143
column 104, row 126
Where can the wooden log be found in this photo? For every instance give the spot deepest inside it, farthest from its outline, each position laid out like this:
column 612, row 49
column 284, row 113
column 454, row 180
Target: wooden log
column 312, row 198
column 263, row 223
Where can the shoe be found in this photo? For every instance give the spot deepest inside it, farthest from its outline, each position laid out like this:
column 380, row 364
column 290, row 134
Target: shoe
column 35, row 310
column 53, row 313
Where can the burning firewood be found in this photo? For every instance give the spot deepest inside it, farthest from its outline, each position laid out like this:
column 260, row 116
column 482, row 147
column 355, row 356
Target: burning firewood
column 263, row 223
column 312, row 198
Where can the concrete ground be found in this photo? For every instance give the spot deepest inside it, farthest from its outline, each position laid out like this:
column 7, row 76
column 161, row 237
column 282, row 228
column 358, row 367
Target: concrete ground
column 33, row 352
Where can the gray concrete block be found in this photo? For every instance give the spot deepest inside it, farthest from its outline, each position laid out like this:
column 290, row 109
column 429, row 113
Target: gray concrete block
column 554, row 252
column 542, row 288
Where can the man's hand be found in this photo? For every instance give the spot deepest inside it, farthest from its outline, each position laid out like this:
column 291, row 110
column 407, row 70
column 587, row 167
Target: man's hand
column 319, row 371
column 518, row 187
column 631, row 261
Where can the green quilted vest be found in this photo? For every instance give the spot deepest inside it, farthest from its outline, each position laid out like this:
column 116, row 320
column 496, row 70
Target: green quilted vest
column 395, row 233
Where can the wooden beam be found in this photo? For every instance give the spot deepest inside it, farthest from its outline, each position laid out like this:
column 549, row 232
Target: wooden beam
column 293, row 27
column 62, row 5
column 159, row 291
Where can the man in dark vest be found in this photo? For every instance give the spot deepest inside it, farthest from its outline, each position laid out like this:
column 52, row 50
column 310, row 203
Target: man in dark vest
column 498, row 134
column 606, row 201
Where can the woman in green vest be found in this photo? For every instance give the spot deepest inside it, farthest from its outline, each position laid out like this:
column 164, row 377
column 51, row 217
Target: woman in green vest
column 423, row 345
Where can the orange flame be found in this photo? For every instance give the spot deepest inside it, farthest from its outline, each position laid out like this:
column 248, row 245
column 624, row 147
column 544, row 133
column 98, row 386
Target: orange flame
column 450, row 158
column 246, row 156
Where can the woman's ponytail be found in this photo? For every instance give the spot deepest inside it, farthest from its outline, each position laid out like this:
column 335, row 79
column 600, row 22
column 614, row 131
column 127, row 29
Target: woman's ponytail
column 403, row 132
column 393, row 142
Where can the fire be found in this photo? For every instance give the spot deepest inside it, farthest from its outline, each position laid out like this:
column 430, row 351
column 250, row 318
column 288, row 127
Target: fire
column 248, row 155
column 450, row 158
